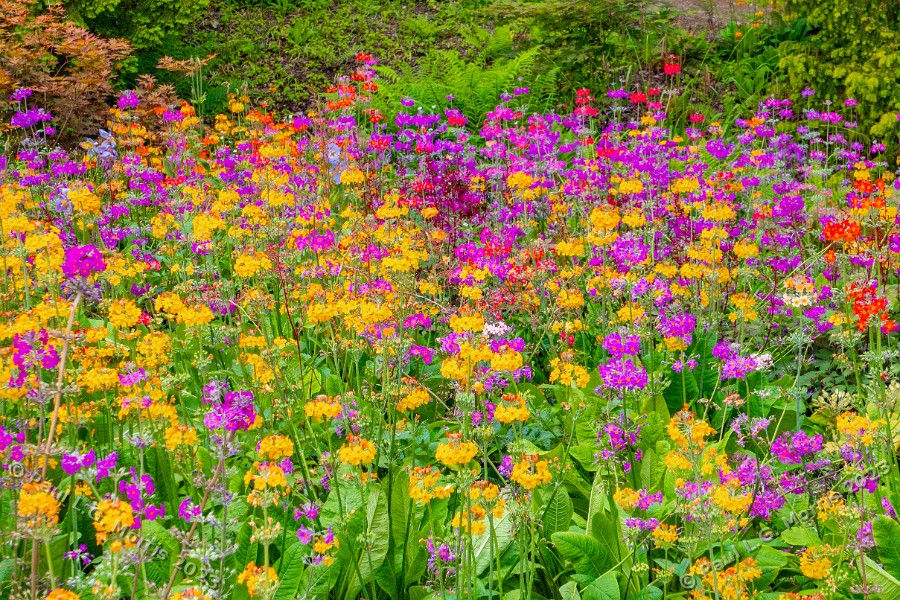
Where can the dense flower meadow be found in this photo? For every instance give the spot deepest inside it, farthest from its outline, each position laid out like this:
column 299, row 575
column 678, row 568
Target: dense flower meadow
column 355, row 355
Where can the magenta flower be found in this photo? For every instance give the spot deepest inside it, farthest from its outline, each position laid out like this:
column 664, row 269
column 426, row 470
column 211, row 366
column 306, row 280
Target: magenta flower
column 82, row 261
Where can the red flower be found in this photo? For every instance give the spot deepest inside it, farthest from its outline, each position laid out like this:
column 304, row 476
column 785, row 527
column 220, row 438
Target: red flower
column 638, row 98
column 671, row 66
column 845, row 231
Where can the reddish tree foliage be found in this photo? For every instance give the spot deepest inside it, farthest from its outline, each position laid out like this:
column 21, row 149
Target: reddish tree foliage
column 69, row 69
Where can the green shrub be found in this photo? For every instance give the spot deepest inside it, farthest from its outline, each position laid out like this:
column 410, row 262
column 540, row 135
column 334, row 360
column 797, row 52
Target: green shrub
column 854, row 51
column 444, row 78
column 143, row 22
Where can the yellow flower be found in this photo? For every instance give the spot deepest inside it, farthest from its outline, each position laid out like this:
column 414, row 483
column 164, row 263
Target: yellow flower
column 630, row 313
column 275, row 447
column 455, row 452
column 84, row 200
column 112, row 517
column 814, row 562
column 507, row 361
column 631, row 186
column 264, row 476
column 570, row 299
column 357, row 451
column 685, row 430
column 424, row 485
column 567, row 374
column 531, row 472
column 248, row 265
column 511, row 408
column 322, row 408
column 724, row 499
column 260, row 581
column 38, row 507
column 685, row 185
column 181, row 435
column 519, row 181
column 124, row 313
column 626, row 498
column 855, row 428
column 472, row 522
column 664, row 535
column 462, row 323
column 192, row 593
column 416, row 397
column 744, row 250
column 62, row 594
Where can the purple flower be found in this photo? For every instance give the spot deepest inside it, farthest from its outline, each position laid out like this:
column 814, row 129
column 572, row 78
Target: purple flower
column 128, row 100
column 795, row 448
column 623, row 375
column 305, row 535
column 30, row 118
column 81, row 261
column 72, row 463
column 888, row 508
column 236, row 413
column 20, row 94
column 738, row 367
column 619, row 346
column 106, row 466
column 506, row 466
column 188, row 511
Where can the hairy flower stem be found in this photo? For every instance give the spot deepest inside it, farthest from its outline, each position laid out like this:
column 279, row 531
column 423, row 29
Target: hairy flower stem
column 190, row 535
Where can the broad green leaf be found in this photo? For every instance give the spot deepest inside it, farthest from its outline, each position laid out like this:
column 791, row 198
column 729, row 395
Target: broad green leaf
column 290, row 575
column 558, row 513
column 801, row 536
column 484, row 546
column 569, row 591
column 6, row 569
column 888, row 585
column 603, row 588
column 887, row 539
column 334, row 386
column 681, row 389
column 584, row 552
column 377, row 534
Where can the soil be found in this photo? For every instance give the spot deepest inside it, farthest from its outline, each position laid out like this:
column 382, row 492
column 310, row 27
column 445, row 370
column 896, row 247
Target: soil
column 710, row 16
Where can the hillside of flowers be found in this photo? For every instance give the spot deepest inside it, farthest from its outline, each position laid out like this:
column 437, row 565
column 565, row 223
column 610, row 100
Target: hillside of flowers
column 344, row 354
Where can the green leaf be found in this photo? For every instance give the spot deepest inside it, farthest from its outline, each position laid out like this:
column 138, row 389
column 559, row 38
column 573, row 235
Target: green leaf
column 603, row 588
column 484, row 544
column 887, row 539
column 801, row 536
column 889, row 586
column 681, row 389
column 291, row 572
column 245, row 550
column 334, row 386
column 569, row 591
column 583, row 551
column 6, row 569
column 558, row 513
column 376, row 538
column 400, row 507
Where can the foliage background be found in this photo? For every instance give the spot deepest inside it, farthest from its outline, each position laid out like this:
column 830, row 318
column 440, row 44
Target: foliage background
column 281, row 51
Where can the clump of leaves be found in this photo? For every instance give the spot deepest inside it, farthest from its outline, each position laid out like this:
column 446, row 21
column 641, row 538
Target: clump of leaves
column 143, row 22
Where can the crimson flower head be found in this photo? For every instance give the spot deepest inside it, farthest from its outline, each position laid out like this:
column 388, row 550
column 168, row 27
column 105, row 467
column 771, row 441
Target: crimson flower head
column 672, row 66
